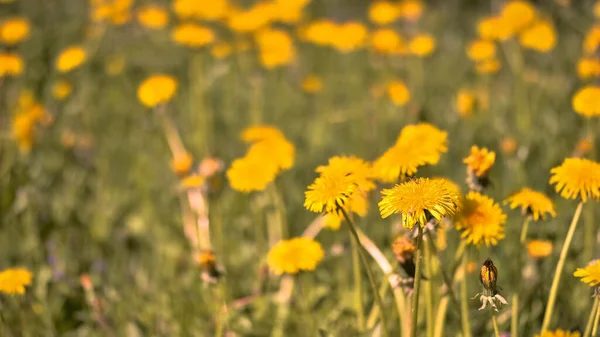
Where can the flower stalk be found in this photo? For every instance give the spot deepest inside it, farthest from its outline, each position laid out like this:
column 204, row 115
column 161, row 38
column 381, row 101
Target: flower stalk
column 591, row 319
column 417, row 284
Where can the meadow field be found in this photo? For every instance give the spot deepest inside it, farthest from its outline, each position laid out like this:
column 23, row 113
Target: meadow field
column 299, row 168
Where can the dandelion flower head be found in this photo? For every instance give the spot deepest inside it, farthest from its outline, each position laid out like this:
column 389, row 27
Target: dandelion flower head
column 156, row 89
column 532, row 202
column 181, row 163
column 360, row 170
column 591, row 41
column 192, row 35
column 276, row 48
column 331, row 190
column 481, row 220
column 250, row 173
column 14, row 30
column 590, row 274
column 70, row 58
column 586, row 101
column 13, row 281
column 294, row 255
column 386, row 41
column 398, row 92
column 538, row 249
column 201, row 10
column 11, row 64
column 577, row 177
column 588, row 68
column 349, row 36
column 559, row 333
column 422, row 45
column 494, row 28
column 541, row 37
column 383, row 12
column 269, row 145
column 480, row 161
column 481, row 50
column 465, row 102
column 411, row 10
column 153, row 17
column 518, row 14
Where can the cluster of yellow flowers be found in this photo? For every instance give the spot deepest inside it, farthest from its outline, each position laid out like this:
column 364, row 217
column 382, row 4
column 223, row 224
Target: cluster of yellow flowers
column 13, row 30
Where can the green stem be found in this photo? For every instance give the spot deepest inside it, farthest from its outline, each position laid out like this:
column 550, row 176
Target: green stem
column 363, row 257
column 495, row 323
column 464, row 304
column 372, row 317
column 358, row 305
column 590, row 322
column 596, row 319
column 417, row 285
column 445, row 276
column 440, row 318
column 559, row 268
column 429, row 301
column 514, row 319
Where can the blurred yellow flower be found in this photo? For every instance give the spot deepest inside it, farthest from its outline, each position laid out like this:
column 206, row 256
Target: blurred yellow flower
column 465, row 102
column 518, row 14
column 532, row 202
column 541, row 37
column 249, row 174
column 494, row 28
column 577, row 177
column 583, row 146
column 252, row 19
column 411, row 9
column 61, row 89
column 481, row 220
column 486, row 67
column 289, row 11
column 398, row 92
column 360, row 170
column 192, row 35
column 419, row 198
column 23, row 127
column 181, row 163
column 422, row 45
column 156, row 89
column 591, row 42
column 418, row 145
column 386, row 41
column 10, row 64
column 320, row 32
column 538, row 249
column 586, row 101
column 14, row 30
column 383, row 12
column 221, row 50
column 590, row 274
column 508, row 145
column 276, row 48
column 258, row 133
column 192, row 181
column 201, row 10
column 294, row 255
column 481, row 50
column 588, row 68
column 70, row 58
column 14, row 280
column 153, row 16
column 312, row 84
column 558, row 333
column 349, row 37
column 480, row 161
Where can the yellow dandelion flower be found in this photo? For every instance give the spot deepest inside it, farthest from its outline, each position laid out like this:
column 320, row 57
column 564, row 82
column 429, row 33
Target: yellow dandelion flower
column 518, row 14
column 383, row 12
column 404, row 249
column 480, row 161
column 320, row 32
column 221, row 50
column 156, row 89
column 276, row 48
column 487, row 67
column 411, row 9
column 23, row 128
column 289, row 12
column 386, row 41
column 10, row 64
column 358, row 204
column 592, row 40
column 494, row 28
column 278, row 153
column 417, row 199
column 559, row 333
column 252, row 19
column 61, row 89
column 349, row 36
column 258, row 133
column 541, row 37
column 539, row 249
column 577, row 177
column 192, row 181
column 333, row 221
column 181, row 163
column 14, row 30
column 360, row 170
column 330, row 191
column 250, row 173
column 422, row 45
column 14, row 280
column 201, row 10
column 586, row 101
column 312, row 84
column 481, row 220
column 417, row 145
column 398, row 92
column 192, row 35
column 465, row 102
column 70, row 58
column 590, row 274
column 532, row 202
column 588, row 68
column 481, row 50
column 153, row 17
column 294, row 255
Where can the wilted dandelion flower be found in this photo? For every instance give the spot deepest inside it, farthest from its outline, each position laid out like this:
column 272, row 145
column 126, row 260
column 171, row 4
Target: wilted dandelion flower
column 577, row 177
column 181, row 163
column 386, row 41
column 14, row 280
column 192, row 35
column 422, row 45
column 487, row 67
column 383, row 12
column 541, row 37
column 558, row 333
column 156, row 89
column 539, row 249
column 588, row 68
column 276, row 48
column 481, row 50
column 481, row 220
column 465, row 102
column 532, row 203
column 312, row 84
column 418, row 200
column 590, row 274
column 592, row 40
column 294, row 255
column 70, row 58
column 10, row 64
column 398, row 92
column 61, row 89
column 14, row 30
column 518, row 14
column 411, row 9
column 586, row 101
column 153, row 17
column 488, row 277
